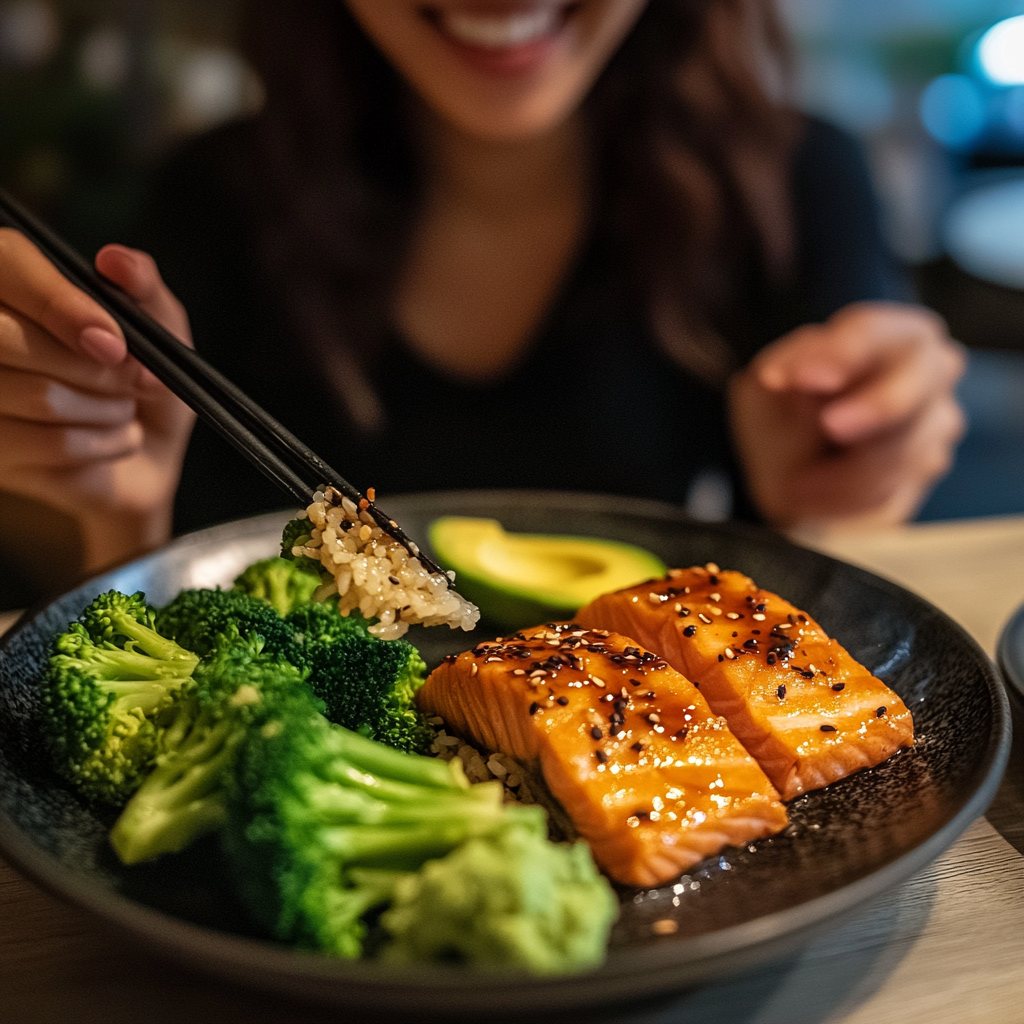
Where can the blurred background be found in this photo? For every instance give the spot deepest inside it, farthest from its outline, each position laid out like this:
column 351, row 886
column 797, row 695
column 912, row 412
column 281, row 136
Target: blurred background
column 93, row 92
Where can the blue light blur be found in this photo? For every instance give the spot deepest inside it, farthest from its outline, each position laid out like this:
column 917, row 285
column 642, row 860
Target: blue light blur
column 954, row 110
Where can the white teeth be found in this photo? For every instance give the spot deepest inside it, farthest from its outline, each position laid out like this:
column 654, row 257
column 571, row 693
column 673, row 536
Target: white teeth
column 499, row 31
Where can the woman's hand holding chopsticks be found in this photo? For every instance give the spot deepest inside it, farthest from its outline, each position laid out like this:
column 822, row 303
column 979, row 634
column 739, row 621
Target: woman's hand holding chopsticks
column 84, row 428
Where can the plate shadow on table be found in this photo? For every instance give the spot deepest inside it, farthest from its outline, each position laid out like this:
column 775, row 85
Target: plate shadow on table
column 1006, row 812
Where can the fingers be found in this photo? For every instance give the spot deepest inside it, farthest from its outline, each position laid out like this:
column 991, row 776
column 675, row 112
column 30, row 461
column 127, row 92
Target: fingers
column 136, row 272
column 827, row 358
column 32, row 286
column 881, row 362
column 36, row 399
column 34, row 447
column 891, row 473
column 25, row 346
column 902, row 384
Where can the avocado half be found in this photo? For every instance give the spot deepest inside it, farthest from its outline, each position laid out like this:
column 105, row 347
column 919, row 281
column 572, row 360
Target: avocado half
column 521, row 579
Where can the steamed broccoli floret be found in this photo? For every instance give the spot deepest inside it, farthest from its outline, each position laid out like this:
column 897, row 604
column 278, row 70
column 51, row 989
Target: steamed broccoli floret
column 323, row 822
column 198, row 619
column 368, row 684
column 296, row 533
column 183, row 798
column 281, row 583
column 505, row 900
column 108, row 695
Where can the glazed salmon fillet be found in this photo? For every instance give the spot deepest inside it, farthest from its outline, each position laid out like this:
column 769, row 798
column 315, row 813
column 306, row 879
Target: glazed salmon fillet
column 651, row 778
column 801, row 705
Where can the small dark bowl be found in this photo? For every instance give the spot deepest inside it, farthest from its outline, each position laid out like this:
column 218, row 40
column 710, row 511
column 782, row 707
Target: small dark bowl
column 845, row 844
column 1010, row 653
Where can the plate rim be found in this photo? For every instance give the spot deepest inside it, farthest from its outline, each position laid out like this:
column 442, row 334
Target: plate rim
column 245, row 960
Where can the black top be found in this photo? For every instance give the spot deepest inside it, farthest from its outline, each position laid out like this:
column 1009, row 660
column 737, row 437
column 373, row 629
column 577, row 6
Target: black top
column 594, row 404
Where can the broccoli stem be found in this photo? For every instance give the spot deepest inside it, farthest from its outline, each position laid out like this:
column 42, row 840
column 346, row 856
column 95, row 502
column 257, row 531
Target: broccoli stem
column 155, row 645
column 181, row 799
column 367, row 755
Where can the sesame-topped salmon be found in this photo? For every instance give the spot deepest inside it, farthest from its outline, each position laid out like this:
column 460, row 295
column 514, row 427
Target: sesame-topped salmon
column 801, row 705
column 650, row 777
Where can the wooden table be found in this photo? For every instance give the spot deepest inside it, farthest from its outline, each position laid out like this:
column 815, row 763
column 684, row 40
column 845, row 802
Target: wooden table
column 947, row 946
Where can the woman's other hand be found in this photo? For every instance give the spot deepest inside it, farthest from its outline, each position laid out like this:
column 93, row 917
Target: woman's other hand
column 850, row 422
column 84, row 427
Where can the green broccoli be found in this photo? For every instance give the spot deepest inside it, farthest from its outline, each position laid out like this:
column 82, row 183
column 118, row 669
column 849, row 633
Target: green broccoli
column 184, row 796
column 109, row 693
column 368, row 684
column 296, row 533
column 323, row 823
column 505, row 900
column 198, row 619
column 279, row 582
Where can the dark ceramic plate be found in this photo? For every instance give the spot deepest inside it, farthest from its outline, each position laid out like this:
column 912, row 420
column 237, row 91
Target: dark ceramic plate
column 846, row 843
column 1010, row 652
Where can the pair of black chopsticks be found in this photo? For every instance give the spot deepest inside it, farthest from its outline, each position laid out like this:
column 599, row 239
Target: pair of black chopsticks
column 275, row 451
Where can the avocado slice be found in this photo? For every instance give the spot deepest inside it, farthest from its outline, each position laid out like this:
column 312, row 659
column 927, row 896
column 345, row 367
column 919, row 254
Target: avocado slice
column 520, row 579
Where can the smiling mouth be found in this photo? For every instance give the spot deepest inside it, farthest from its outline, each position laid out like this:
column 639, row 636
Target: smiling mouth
column 500, row 30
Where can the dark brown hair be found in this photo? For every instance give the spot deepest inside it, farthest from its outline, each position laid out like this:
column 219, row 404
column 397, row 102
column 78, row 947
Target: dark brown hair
column 692, row 153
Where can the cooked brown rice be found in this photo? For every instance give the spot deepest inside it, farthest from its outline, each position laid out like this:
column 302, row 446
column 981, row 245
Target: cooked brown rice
column 375, row 574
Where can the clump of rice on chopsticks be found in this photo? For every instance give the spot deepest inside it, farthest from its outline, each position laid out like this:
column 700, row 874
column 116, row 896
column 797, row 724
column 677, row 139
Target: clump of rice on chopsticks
column 372, row 572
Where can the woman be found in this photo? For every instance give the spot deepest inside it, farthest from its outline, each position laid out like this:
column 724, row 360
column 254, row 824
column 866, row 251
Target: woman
column 486, row 243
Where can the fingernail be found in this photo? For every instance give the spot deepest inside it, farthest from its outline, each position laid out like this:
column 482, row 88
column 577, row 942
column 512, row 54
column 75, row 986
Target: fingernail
column 102, row 345
column 845, row 422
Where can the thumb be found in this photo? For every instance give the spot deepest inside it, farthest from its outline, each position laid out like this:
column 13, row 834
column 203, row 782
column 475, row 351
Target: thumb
column 136, row 273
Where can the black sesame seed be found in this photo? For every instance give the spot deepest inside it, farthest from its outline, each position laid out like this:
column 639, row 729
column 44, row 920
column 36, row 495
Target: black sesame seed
column 596, row 732
column 751, row 645
column 761, row 608
column 689, row 631
column 721, row 657
column 713, row 580
column 735, row 634
column 534, row 708
column 838, row 686
column 781, row 691
column 637, row 746
column 757, row 631
column 601, row 756
column 634, row 682
column 770, row 659
column 880, row 712
column 828, row 728
column 563, row 701
column 650, row 693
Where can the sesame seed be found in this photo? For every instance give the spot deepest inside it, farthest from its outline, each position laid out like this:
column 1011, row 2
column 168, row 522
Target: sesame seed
column 653, row 718
column 704, row 618
column 781, row 691
column 601, row 756
column 733, row 615
column 519, row 671
column 596, row 732
column 563, row 701
column 730, row 653
column 759, row 616
column 715, row 597
column 689, row 631
column 828, row 728
column 534, row 708
column 712, row 568
column 838, row 686
column 474, row 669
column 880, row 712
column 638, row 746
